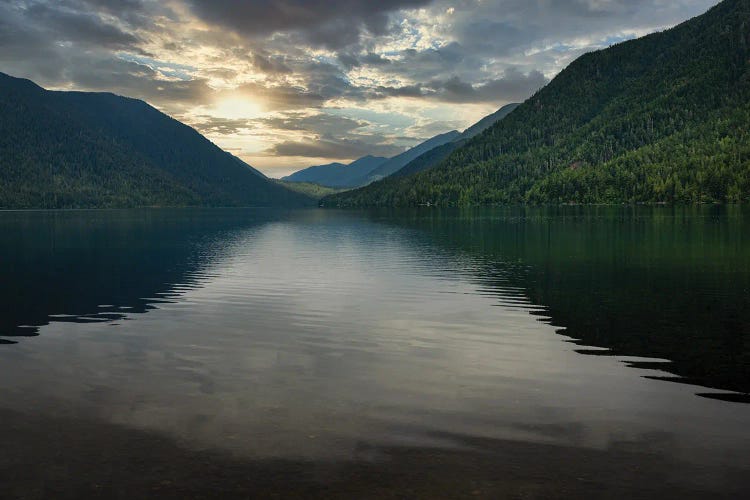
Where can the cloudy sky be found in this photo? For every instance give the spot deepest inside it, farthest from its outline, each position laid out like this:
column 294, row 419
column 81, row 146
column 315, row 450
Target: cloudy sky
column 286, row 84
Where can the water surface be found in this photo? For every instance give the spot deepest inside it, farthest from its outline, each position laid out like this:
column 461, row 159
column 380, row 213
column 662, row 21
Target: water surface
column 325, row 336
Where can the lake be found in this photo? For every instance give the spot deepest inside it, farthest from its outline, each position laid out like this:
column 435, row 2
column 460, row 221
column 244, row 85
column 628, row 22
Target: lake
column 514, row 352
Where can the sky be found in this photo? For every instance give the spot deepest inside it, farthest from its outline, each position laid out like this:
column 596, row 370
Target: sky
column 285, row 84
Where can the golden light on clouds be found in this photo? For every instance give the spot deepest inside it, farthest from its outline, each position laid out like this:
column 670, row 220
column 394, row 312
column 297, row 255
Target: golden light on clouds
column 236, row 108
column 300, row 82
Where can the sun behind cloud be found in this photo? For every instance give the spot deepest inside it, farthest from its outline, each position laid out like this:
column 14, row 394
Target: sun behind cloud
column 236, row 108
column 302, row 82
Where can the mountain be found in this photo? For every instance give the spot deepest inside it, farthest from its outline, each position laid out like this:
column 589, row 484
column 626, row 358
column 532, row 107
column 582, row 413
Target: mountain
column 436, row 155
column 314, row 191
column 369, row 168
column 252, row 169
column 338, row 175
column 489, row 121
column 398, row 162
column 317, row 174
column 429, row 159
column 86, row 150
column 663, row 118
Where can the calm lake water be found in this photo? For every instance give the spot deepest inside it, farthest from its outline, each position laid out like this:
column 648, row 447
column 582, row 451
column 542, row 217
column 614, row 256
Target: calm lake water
column 327, row 336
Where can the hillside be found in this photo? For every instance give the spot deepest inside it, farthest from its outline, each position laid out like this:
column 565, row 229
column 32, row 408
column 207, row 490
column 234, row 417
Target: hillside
column 430, row 159
column 436, row 155
column 371, row 168
column 664, row 118
column 312, row 190
column 86, row 150
column 367, row 169
column 316, row 173
column 489, row 121
column 398, row 162
column 338, row 175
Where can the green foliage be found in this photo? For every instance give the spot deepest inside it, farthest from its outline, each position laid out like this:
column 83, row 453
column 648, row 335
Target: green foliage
column 314, row 191
column 83, row 150
column 664, row 118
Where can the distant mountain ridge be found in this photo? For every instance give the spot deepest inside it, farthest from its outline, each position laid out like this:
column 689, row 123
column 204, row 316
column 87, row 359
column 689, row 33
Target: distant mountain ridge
column 423, row 155
column 338, row 175
column 663, row 118
column 90, row 150
column 398, row 162
column 436, row 155
column 365, row 170
column 315, row 173
column 489, row 121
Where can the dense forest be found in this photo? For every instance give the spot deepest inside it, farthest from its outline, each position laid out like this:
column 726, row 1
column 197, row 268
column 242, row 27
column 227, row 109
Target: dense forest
column 314, row 191
column 664, row 118
column 94, row 150
column 430, row 159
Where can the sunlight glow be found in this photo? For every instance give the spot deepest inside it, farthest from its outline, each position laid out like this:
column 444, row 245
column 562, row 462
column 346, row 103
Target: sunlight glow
column 237, row 108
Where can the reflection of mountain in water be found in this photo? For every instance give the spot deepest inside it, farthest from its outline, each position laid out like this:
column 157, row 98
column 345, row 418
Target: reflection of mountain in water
column 88, row 266
column 655, row 283
column 647, row 282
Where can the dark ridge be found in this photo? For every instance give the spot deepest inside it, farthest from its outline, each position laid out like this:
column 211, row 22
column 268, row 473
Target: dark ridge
column 664, row 118
column 99, row 150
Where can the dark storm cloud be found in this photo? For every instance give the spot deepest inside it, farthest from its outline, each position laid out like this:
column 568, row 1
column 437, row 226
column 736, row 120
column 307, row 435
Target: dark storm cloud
column 331, row 23
column 49, row 41
column 54, row 40
column 512, row 86
column 282, row 96
column 323, row 82
column 222, row 126
column 65, row 25
column 349, row 60
column 509, row 27
column 422, row 65
column 371, row 59
column 130, row 12
column 327, row 136
column 320, row 123
column 326, row 79
column 138, row 81
column 299, row 58
column 274, row 65
column 330, row 147
column 58, row 46
column 416, row 91
column 500, row 50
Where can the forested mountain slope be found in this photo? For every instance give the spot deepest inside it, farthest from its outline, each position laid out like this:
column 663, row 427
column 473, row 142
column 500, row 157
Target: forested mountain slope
column 489, row 121
column 421, row 157
column 664, row 118
column 436, row 155
column 398, row 162
column 86, row 150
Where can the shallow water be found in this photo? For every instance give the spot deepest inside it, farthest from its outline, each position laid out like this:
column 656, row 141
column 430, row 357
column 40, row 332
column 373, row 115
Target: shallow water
column 323, row 335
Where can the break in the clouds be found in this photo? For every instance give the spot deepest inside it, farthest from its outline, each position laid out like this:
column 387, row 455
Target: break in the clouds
column 289, row 83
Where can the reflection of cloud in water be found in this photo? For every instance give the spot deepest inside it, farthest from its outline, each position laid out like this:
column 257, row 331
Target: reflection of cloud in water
column 317, row 332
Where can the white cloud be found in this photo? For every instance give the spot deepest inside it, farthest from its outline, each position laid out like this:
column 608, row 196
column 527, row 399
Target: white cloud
column 403, row 68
